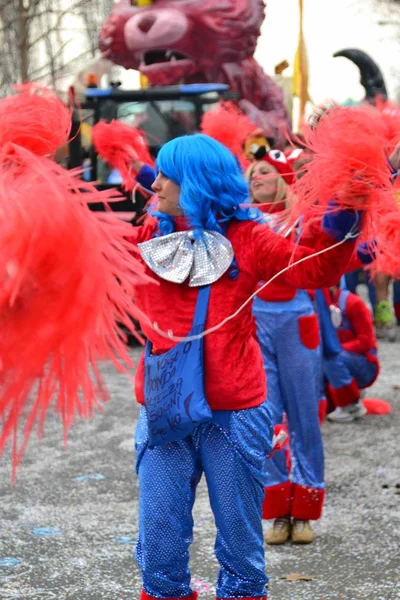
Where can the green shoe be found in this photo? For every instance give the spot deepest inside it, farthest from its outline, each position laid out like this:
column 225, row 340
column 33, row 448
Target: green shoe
column 384, row 322
column 383, row 313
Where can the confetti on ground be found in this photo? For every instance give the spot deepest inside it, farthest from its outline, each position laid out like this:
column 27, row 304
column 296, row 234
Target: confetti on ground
column 297, row 577
column 9, row 561
column 95, row 476
column 124, row 539
column 45, row 531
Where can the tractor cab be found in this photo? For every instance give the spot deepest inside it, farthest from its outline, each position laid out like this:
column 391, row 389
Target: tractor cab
column 161, row 113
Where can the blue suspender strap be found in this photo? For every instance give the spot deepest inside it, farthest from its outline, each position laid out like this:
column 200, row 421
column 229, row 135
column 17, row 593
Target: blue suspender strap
column 200, row 313
column 174, row 385
column 343, row 300
column 330, row 342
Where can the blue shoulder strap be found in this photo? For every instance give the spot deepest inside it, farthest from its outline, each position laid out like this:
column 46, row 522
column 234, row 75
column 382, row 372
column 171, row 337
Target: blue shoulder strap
column 343, row 300
column 330, row 342
column 200, row 313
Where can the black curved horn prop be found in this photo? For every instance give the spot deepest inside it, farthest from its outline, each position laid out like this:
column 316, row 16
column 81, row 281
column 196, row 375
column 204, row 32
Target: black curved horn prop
column 371, row 76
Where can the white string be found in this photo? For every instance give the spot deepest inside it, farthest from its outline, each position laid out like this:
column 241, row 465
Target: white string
column 141, row 187
column 170, row 335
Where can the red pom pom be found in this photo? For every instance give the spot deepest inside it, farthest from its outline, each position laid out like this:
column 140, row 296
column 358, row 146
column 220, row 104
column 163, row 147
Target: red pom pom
column 388, row 246
column 349, row 165
column 67, row 279
column 229, row 126
column 390, row 115
column 34, row 119
column 120, row 145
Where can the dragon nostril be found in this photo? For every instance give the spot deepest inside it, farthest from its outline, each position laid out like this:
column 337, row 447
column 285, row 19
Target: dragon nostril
column 146, row 23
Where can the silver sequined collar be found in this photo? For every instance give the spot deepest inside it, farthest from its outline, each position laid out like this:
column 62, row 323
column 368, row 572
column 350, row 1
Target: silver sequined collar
column 178, row 256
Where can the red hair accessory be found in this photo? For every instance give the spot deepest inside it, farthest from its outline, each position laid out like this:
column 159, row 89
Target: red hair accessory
column 279, row 161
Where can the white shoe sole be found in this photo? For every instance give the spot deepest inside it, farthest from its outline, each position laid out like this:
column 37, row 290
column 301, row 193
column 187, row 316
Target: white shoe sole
column 360, row 413
column 383, row 332
column 345, row 419
column 349, row 417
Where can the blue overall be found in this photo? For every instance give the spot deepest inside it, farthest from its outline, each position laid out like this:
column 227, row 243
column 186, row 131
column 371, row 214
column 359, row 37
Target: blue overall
column 231, row 450
column 294, row 382
column 174, row 384
column 396, row 296
column 346, row 366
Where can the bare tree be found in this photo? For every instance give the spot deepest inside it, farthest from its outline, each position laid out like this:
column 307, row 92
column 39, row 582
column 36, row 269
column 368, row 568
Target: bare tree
column 92, row 20
column 388, row 11
column 46, row 40
column 388, row 17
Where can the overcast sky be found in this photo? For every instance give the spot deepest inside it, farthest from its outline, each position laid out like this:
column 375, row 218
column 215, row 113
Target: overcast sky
column 331, row 25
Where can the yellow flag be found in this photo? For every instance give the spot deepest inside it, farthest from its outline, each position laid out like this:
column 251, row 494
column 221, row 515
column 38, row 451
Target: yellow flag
column 300, row 70
column 144, row 82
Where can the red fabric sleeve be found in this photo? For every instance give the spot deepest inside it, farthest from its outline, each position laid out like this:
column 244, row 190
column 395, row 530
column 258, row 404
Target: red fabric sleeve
column 273, row 253
column 354, row 263
column 312, row 230
column 142, row 233
column 361, row 322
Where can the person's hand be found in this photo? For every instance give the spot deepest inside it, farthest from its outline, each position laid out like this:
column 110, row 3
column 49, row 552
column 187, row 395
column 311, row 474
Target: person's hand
column 357, row 190
column 137, row 165
column 394, row 158
column 341, row 224
column 367, row 251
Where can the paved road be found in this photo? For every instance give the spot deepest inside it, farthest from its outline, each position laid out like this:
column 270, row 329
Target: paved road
column 68, row 527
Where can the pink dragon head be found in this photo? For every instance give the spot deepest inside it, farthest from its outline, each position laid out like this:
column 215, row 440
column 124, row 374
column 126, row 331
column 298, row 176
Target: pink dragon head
column 198, row 41
column 174, row 40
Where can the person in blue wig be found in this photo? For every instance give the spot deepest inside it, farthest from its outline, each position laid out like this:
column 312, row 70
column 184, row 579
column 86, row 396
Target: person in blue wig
column 203, row 399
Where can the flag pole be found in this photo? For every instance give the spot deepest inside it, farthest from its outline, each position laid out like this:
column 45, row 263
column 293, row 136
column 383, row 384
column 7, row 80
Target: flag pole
column 303, row 92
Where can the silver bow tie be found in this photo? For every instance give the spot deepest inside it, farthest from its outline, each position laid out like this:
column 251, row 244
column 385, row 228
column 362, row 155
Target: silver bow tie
column 177, row 256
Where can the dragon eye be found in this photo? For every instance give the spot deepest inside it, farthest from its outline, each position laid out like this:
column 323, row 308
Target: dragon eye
column 278, row 156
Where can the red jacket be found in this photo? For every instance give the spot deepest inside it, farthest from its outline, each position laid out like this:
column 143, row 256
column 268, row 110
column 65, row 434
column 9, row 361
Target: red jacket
column 360, row 337
column 278, row 290
column 233, row 365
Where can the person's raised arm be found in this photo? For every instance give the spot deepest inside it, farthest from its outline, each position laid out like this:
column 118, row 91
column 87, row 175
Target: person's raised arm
column 272, row 253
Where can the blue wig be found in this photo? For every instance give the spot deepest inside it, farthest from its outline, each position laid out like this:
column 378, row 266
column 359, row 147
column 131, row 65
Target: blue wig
column 212, row 184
